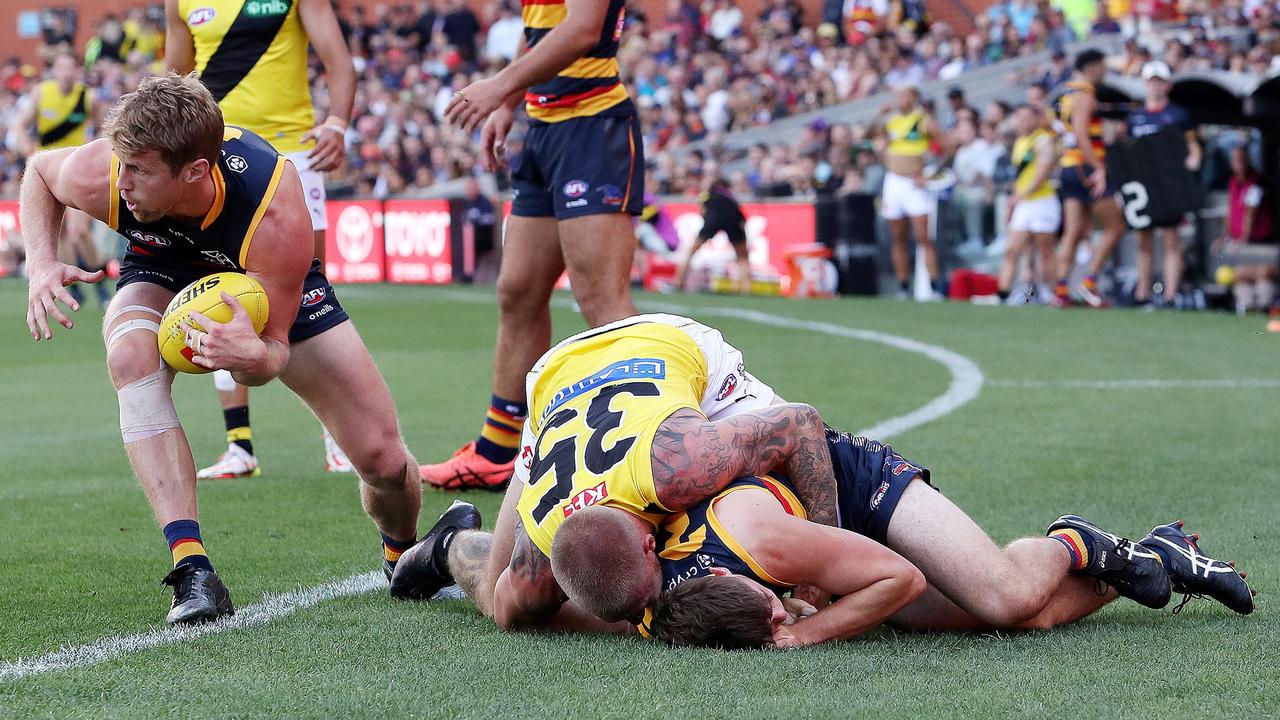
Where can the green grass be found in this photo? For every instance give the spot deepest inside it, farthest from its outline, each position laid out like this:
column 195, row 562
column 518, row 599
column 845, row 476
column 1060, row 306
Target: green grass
column 80, row 556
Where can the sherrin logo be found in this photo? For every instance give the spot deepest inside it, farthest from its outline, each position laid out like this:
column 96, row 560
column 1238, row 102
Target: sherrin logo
column 192, row 293
column 200, row 16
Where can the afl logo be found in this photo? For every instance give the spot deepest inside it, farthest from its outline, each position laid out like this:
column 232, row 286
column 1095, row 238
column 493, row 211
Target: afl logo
column 200, row 16
column 311, row 298
column 576, row 188
column 147, row 238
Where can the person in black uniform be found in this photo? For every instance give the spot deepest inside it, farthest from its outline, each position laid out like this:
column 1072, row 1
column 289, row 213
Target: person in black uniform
column 195, row 197
column 721, row 213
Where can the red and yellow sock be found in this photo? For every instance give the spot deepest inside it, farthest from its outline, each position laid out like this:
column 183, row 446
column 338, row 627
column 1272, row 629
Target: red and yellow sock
column 392, row 549
column 499, row 439
column 1077, row 547
column 186, row 545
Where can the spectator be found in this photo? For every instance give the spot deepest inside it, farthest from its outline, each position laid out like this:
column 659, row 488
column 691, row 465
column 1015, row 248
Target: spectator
column 505, row 33
column 1248, row 222
column 460, row 27
column 975, row 168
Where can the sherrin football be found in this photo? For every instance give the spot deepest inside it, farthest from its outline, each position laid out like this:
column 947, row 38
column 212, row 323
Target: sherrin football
column 205, row 296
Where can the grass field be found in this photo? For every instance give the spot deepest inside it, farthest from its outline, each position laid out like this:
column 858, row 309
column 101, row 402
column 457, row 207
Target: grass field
column 81, row 558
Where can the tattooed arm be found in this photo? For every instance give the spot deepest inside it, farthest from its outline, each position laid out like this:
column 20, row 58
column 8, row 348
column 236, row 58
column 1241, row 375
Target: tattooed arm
column 529, row 598
column 694, row 459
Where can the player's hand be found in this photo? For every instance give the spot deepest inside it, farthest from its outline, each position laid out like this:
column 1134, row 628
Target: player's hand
column 493, row 138
column 1098, row 183
column 920, row 181
column 1014, row 199
column 233, row 345
column 811, row 595
column 46, row 288
column 331, row 145
column 797, row 609
column 786, row 637
column 473, row 104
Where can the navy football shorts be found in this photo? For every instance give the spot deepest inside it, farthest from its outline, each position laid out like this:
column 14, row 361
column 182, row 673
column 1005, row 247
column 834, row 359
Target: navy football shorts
column 870, row 478
column 319, row 309
column 580, row 166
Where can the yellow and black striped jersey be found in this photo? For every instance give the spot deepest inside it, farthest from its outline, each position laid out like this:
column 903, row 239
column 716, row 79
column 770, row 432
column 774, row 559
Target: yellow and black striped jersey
column 62, row 119
column 591, row 85
column 252, row 55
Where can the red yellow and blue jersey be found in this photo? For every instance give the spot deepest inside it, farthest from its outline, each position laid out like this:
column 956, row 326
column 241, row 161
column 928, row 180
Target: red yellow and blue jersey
column 1071, row 155
column 692, row 542
column 594, row 408
column 591, row 85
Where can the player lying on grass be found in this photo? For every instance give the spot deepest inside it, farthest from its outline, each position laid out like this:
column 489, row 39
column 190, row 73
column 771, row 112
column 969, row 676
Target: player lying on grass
column 726, row 562
column 194, row 197
column 634, row 420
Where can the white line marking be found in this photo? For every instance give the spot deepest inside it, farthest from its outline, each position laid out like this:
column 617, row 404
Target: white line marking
column 270, row 608
column 1134, row 384
column 966, row 382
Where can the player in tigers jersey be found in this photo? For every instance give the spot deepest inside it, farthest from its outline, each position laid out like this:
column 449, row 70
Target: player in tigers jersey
column 628, row 422
column 59, row 114
column 252, row 55
column 578, row 181
column 1035, row 212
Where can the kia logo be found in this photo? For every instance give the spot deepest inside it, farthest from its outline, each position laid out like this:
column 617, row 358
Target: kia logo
column 355, row 233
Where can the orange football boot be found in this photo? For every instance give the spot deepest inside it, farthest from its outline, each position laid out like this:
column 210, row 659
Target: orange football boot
column 467, row 470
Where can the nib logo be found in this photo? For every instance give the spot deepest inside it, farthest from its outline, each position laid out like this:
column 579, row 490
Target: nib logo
column 265, row 8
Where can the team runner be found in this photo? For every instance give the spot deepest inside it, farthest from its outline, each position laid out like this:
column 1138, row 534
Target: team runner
column 194, row 197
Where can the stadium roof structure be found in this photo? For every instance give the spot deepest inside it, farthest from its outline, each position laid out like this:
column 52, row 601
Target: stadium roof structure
column 1212, row 98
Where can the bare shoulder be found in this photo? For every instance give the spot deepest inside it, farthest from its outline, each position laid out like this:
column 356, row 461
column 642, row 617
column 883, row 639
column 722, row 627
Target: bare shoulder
column 79, row 177
column 282, row 238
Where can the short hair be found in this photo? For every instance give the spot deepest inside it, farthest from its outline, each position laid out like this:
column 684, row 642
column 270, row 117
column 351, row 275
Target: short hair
column 598, row 560
column 175, row 115
column 1089, row 57
column 714, row 612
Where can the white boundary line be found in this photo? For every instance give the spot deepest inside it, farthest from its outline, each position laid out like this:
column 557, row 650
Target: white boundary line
column 966, row 382
column 1134, row 384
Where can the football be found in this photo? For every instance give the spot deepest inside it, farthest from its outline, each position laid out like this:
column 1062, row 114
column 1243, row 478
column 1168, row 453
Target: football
column 205, row 296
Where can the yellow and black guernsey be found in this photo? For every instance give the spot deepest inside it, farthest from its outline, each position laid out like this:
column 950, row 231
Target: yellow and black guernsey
column 252, row 55
column 594, row 408
column 591, row 86
column 174, row 255
column 692, row 542
column 62, row 119
column 907, row 134
column 1025, row 160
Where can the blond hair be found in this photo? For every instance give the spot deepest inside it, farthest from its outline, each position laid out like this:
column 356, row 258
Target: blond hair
column 598, row 559
column 175, row 115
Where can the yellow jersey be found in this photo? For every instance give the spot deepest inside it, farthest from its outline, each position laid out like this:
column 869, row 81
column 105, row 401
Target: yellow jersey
column 252, row 55
column 62, row 120
column 595, row 406
column 907, row 134
column 1025, row 159
column 591, row 85
column 1071, row 155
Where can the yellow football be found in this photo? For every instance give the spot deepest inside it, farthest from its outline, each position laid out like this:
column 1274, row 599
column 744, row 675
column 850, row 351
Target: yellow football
column 205, row 296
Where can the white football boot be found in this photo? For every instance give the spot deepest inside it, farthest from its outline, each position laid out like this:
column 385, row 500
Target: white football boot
column 236, row 462
column 335, row 460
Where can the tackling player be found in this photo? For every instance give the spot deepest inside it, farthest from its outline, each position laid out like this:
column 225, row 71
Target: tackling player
column 193, row 197
column 1082, row 182
column 577, row 182
column 253, row 58
column 726, row 561
column 630, row 422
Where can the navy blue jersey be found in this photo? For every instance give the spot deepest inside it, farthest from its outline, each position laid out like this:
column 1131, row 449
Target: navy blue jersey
column 1148, row 122
column 245, row 180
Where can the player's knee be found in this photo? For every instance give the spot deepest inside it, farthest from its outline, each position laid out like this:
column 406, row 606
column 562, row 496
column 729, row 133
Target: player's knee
column 1010, row 604
column 517, row 294
column 132, row 357
column 383, row 465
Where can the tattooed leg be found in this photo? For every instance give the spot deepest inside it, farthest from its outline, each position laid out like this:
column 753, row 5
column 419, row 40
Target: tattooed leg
column 469, row 565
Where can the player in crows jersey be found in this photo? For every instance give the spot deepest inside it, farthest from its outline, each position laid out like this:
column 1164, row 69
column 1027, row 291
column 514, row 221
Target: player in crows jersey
column 194, row 197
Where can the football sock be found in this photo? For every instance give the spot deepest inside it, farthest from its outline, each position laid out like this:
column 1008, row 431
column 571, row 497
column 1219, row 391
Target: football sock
column 1060, row 289
column 238, row 430
column 1078, row 546
column 1090, row 282
column 1003, row 294
column 905, row 285
column 499, row 439
column 392, row 549
column 185, row 544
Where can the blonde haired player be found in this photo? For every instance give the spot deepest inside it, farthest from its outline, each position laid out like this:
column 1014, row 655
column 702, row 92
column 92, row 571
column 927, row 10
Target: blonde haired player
column 253, row 58
column 194, row 197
